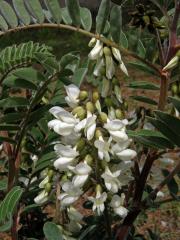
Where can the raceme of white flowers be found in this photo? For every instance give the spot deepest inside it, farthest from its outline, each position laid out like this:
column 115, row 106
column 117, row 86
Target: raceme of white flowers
column 93, row 149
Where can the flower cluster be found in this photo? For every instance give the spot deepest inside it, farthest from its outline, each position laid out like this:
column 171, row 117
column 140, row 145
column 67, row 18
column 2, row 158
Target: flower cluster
column 107, row 59
column 93, row 148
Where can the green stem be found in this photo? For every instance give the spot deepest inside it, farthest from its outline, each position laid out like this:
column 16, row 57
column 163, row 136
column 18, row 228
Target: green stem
column 88, row 34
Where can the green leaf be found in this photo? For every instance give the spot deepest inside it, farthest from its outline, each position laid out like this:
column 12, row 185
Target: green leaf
column 68, row 59
column 9, row 140
column 9, row 127
column 80, row 74
column 9, row 204
column 15, row 82
column 86, row 18
column 3, row 184
column 55, row 9
column 116, row 23
column 143, row 85
column 102, row 16
column 150, row 138
column 165, row 130
column 85, row 233
column 123, row 40
column 144, row 99
column 29, row 74
column 7, row 225
column 169, row 120
column 3, row 24
column 12, row 117
column 141, row 49
column 12, row 102
column 142, row 67
column 172, row 184
column 35, row 9
column 74, row 11
column 52, row 231
column 176, row 102
column 21, row 11
column 65, row 16
column 8, row 13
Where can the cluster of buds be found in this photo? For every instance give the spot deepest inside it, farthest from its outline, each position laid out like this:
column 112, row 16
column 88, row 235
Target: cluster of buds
column 45, row 186
column 107, row 59
column 93, row 151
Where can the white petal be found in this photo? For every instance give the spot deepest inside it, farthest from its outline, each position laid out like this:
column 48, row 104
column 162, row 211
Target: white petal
column 121, row 211
column 91, row 131
column 127, row 154
column 81, row 125
column 96, row 51
column 79, row 180
column 41, row 198
column 72, row 91
column 124, row 69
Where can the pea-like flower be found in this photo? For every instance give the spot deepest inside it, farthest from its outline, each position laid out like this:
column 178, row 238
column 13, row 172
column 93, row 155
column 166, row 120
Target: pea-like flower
column 64, row 123
column 117, row 129
column 41, row 198
column 82, row 171
column 97, row 51
column 88, row 124
column 103, row 148
column 72, row 97
column 66, row 156
column 111, row 180
column 120, row 150
column 98, row 202
column 117, row 205
column 117, row 55
column 70, row 194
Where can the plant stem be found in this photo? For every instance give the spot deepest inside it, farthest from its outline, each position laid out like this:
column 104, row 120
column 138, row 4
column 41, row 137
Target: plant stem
column 163, row 90
column 88, row 34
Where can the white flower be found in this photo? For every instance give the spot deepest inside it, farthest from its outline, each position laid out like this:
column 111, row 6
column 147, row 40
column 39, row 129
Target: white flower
column 44, row 182
column 99, row 65
column 105, row 87
column 98, row 202
column 117, row 129
column 117, row 92
column 103, row 148
column 126, row 155
column 117, row 55
column 111, row 180
column 97, row 51
column 66, row 154
column 88, row 124
column 82, row 171
column 117, row 205
column 65, row 122
column 72, row 97
column 160, row 194
column 110, row 68
column 70, row 195
column 41, row 198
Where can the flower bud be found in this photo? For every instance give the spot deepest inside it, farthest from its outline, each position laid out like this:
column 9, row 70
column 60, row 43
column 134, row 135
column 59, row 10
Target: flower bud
column 171, row 64
column 48, row 187
column 83, row 95
column 108, row 102
column 88, row 159
column 90, row 107
column 125, row 105
column 107, row 51
column 50, row 173
column 80, row 144
column 98, row 133
column 98, row 188
column 95, row 96
column 103, row 117
column 174, row 89
column 92, row 42
column 119, row 114
column 80, row 112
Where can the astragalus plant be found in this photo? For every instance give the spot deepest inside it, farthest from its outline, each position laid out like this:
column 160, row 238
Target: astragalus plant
column 72, row 138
